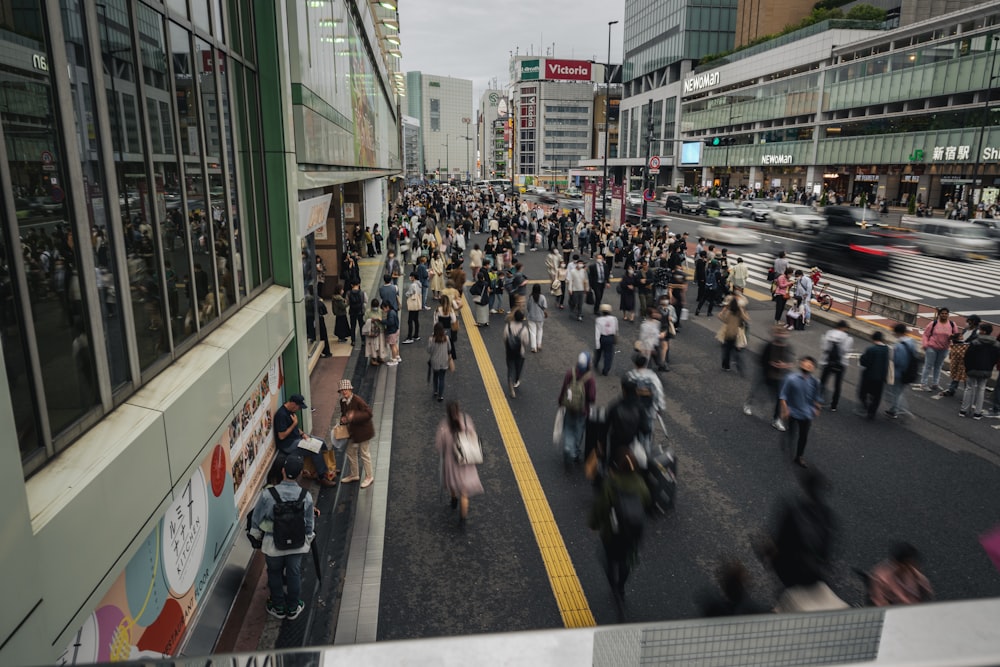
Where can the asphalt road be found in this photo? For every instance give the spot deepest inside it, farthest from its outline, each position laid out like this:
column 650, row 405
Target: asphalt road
column 930, row 479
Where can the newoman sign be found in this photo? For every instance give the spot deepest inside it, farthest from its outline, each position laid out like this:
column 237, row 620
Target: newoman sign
column 702, row 81
column 776, row 159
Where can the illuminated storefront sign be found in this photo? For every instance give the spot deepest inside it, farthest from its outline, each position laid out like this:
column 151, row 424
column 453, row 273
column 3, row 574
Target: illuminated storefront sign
column 776, row 159
column 948, row 153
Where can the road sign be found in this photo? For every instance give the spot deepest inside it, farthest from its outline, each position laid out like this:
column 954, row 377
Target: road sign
column 654, row 162
column 648, row 195
column 46, row 157
column 654, row 172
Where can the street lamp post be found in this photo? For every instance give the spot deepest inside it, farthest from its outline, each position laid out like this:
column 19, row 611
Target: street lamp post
column 447, row 156
column 607, row 126
column 982, row 130
column 467, row 140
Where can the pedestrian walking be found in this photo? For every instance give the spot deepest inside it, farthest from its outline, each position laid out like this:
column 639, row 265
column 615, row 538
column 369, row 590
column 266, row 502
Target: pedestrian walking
column 733, row 333
column 439, row 359
column 935, row 340
column 341, row 323
column 710, row 295
column 834, row 348
column 480, row 292
column 536, row 312
column 605, row 337
column 775, row 362
column 782, row 284
column 357, row 416
column 447, row 317
column 414, row 305
column 390, row 326
column 578, row 285
column 982, row 355
column 800, row 403
column 875, row 364
column 803, row 291
column 627, row 289
column 459, row 478
column 577, row 395
column 515, row 337
column 898, row 579
column 903, row 352
column 599, row 277
column 618, row 514
column 283, row 524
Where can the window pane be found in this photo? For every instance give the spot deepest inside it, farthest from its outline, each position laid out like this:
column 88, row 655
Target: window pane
column 162, row 196
column 39, row 182
column 133, row 200
column 217, row 220
column 256, row 154
column 247, row 225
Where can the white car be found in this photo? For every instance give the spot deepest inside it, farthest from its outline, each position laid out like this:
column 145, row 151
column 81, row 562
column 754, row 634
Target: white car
column 755, row 209
column 797, row 217
column 728, row 231
column 634, row 198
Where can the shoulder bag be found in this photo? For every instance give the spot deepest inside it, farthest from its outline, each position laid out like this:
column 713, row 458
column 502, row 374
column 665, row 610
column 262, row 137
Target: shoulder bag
column 468, row 448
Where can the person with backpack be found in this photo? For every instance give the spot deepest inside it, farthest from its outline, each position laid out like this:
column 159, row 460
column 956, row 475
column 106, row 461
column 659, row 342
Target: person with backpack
column 905, row 369
column 982, row 355
column 283, row 524
column 515, row 342
column 713, row 279
column 834, row 348
column 935, row 340
column 577, row 394
column 619, row 516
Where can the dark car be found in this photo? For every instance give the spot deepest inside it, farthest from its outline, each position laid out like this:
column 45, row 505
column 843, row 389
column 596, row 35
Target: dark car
column 851, row 251
column 722, row 208
column 850, row 216
column 681, row 202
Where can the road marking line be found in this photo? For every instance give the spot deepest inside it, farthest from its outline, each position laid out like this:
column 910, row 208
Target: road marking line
column 570, row 599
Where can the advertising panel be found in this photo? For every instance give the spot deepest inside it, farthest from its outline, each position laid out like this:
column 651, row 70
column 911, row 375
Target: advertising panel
column 531, row 69
column 617, row 214
column 589, row 191
column 691, row 152
column 567, row 70
column 147, row 611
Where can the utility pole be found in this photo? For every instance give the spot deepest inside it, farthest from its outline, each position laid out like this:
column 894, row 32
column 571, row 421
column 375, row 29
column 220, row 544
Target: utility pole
column 607, row 125
column 645, row 167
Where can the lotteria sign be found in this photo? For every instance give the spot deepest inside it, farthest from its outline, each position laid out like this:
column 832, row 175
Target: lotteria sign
column 531, row 69
column 702, row 81
column 567, row 70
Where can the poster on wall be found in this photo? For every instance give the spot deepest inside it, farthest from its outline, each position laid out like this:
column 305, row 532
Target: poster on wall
column 362, row 102
column 147, row 611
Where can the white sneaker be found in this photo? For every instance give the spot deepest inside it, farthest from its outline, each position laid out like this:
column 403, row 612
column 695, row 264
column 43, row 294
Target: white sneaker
column 919, row 387
column 747, row 410
column 392, row 363
column 778, row 426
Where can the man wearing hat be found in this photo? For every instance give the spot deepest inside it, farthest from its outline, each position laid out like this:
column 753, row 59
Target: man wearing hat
column 284, row 566
column 288, row 438
column 357, row 415
column 605, row 337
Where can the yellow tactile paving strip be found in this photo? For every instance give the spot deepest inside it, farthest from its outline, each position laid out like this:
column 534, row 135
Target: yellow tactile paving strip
column 566, row 586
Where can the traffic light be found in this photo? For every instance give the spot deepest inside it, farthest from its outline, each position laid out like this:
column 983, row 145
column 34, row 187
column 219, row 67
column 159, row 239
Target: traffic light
column 720, row 141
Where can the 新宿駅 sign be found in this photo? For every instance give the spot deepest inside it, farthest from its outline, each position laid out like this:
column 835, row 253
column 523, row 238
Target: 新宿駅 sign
column 701, row 81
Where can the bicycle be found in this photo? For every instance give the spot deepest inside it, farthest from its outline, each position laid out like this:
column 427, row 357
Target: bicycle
column 823, row 298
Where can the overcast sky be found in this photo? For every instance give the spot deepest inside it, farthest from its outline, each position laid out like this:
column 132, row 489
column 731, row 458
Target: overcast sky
column 474, row 39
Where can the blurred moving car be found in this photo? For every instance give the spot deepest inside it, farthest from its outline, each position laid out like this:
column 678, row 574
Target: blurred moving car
column 723, row 208
column 852, row 215
column 992, row 230
column 682, row 202
column 953, row 239
column 574, row 193
column 755, row 209
column 797, row 217
column 845, row 248
column 634, row 198
column 729, row 231
column 547, row 198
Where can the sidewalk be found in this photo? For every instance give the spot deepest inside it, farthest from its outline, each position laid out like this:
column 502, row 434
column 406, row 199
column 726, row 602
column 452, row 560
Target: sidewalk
column 345, row 509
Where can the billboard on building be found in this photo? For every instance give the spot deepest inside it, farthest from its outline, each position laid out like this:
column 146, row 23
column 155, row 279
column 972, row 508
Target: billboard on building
column 567, row 70
column 531, row 69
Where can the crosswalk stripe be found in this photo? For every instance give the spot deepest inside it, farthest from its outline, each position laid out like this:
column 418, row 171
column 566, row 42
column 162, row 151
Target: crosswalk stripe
column 914, row 277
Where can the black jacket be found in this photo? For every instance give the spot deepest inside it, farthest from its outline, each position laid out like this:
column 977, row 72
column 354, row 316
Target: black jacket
column 982, row 356
column 875, row 362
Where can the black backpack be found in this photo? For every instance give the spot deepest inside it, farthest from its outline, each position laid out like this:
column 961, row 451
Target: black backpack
column 628, row 517
column 289, row 519
column 912, row 370
column 834, row 361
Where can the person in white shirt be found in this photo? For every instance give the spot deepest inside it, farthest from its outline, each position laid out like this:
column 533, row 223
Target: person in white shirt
column 834, row 348
column 804, row 291
column 605, row 337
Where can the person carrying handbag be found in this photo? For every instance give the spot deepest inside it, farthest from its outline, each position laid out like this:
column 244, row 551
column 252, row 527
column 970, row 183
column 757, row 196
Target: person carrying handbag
column 733, row 333
column 357, row 416
column 459, row 478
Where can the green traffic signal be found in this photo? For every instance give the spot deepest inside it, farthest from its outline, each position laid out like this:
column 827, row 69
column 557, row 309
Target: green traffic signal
column 716, row 141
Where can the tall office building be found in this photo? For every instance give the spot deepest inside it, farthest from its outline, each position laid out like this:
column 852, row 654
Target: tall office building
column 166, row 211
column 553, row 106
column 443, row 106
column 758, row 18
column 488, row 123
column 411, row 149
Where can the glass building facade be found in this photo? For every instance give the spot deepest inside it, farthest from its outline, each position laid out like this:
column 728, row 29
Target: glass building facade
column 153, row 157
column 895, row 114
column 127, row 227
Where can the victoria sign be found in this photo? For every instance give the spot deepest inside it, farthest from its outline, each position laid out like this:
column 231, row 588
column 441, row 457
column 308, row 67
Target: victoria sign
column 567, row 70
